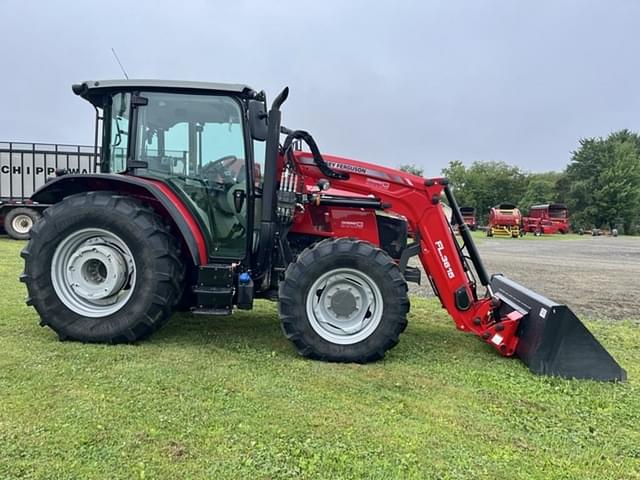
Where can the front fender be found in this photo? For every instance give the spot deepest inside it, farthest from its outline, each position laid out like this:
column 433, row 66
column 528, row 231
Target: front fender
column 152, row 191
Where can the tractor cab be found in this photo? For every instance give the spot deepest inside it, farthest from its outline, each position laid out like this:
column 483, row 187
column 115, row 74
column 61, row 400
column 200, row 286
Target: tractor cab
column 205, row 141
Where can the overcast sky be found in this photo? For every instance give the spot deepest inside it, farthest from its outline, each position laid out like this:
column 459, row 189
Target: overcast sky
column 422, row 82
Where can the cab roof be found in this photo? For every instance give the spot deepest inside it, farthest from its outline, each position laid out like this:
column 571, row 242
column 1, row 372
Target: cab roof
column 95, row 90
column 556, row 206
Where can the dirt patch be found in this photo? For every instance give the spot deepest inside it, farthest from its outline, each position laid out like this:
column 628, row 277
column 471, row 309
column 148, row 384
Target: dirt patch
column 598, row 277
column 176, row 450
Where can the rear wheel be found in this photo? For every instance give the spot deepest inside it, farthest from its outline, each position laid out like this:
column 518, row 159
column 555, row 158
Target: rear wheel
column 18, row 222
column 343, row 300
column 101, row 267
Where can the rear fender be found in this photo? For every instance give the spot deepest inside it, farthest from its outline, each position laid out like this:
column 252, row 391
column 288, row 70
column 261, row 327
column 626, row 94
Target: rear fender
column 160, row 197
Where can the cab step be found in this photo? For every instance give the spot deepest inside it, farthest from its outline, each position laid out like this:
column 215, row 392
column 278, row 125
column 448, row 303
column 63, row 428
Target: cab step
column 219, row 312
column 214, row 290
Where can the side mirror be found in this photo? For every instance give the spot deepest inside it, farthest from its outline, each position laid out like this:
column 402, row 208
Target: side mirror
column 258, row 120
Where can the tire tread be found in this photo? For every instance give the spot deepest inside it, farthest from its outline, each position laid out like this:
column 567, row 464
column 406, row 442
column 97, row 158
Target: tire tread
column 290, row 300
column 166, row 263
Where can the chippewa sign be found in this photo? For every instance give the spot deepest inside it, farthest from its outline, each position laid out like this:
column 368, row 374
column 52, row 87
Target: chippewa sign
column 25, row 167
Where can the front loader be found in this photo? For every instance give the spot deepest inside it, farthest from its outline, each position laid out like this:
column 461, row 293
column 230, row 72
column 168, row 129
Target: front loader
column 203, row 205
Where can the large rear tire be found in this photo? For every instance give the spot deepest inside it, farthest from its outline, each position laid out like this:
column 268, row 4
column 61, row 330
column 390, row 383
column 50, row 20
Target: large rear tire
column 343, row 300
column 102, row 267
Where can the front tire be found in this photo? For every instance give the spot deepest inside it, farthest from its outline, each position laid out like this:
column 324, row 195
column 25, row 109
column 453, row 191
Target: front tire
column 101, row 267
column 343, row 300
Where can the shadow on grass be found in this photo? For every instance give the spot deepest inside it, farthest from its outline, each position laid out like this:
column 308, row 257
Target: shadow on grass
column 261, row 327
column 259, row 333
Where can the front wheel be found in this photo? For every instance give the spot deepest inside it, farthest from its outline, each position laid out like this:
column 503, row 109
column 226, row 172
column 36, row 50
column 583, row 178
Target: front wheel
column 101, row 267
column 343, row 300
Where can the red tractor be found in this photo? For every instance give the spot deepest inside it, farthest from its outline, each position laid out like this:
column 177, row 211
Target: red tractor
column 547, row 219
column 200, row 205
column 469, row 217
column 504, row 221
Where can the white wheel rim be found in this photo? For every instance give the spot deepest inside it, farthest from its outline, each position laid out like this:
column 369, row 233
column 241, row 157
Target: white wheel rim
column 22, row 223
column 344, row 306
column 93, row 272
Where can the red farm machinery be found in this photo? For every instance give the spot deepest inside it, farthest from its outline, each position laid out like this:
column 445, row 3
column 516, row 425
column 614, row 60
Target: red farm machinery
column 203, row 204
column 469, row 217
column 505, row 220
column 547, row 219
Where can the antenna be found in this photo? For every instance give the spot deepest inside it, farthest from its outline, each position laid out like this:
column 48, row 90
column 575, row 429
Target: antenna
column 120, row 63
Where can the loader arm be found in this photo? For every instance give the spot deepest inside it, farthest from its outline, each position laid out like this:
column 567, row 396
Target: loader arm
column 548, row 337
column 419, row 201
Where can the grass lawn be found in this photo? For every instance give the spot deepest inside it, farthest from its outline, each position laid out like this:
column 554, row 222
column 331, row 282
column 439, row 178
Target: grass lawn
column 228, row 398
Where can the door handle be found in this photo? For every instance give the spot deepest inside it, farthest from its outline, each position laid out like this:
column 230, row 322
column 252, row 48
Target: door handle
column 238, row 200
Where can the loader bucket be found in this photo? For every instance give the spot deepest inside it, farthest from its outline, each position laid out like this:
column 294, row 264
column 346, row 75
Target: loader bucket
column 552, row 340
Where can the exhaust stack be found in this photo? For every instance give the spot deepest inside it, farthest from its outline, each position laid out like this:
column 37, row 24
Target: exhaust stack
column 552, row 340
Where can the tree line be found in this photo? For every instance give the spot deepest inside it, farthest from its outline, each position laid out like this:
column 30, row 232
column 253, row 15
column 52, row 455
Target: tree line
column 600, row 185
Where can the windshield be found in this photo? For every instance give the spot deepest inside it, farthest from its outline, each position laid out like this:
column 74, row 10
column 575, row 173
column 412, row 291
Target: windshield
column 557, row 213
column 184, row 134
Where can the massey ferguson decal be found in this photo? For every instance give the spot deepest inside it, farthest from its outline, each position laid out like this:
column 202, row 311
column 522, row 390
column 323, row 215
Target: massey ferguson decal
column 444, row 259
column 350, row 168
column 347, row 168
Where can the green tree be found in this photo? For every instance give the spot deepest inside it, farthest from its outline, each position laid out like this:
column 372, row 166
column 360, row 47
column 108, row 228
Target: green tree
column 485, row 184
column 542, row 188
column 412, row 168
column 604, row 181
column 456, row 172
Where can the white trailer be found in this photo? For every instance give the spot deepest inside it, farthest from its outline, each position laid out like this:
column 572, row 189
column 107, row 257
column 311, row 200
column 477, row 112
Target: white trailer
column 25, row 167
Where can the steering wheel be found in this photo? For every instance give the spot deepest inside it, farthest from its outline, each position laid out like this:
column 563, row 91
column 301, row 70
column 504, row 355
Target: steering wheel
column 224, row 181
column 219, row 172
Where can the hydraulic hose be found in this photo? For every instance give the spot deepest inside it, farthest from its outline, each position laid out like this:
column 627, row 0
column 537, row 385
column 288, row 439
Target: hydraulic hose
column 315, row 151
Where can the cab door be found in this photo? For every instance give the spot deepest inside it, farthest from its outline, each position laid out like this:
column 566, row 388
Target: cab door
column 197, row 143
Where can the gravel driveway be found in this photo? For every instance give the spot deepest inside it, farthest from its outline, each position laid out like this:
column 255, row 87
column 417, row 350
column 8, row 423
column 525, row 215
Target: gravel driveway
column 598, row 277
